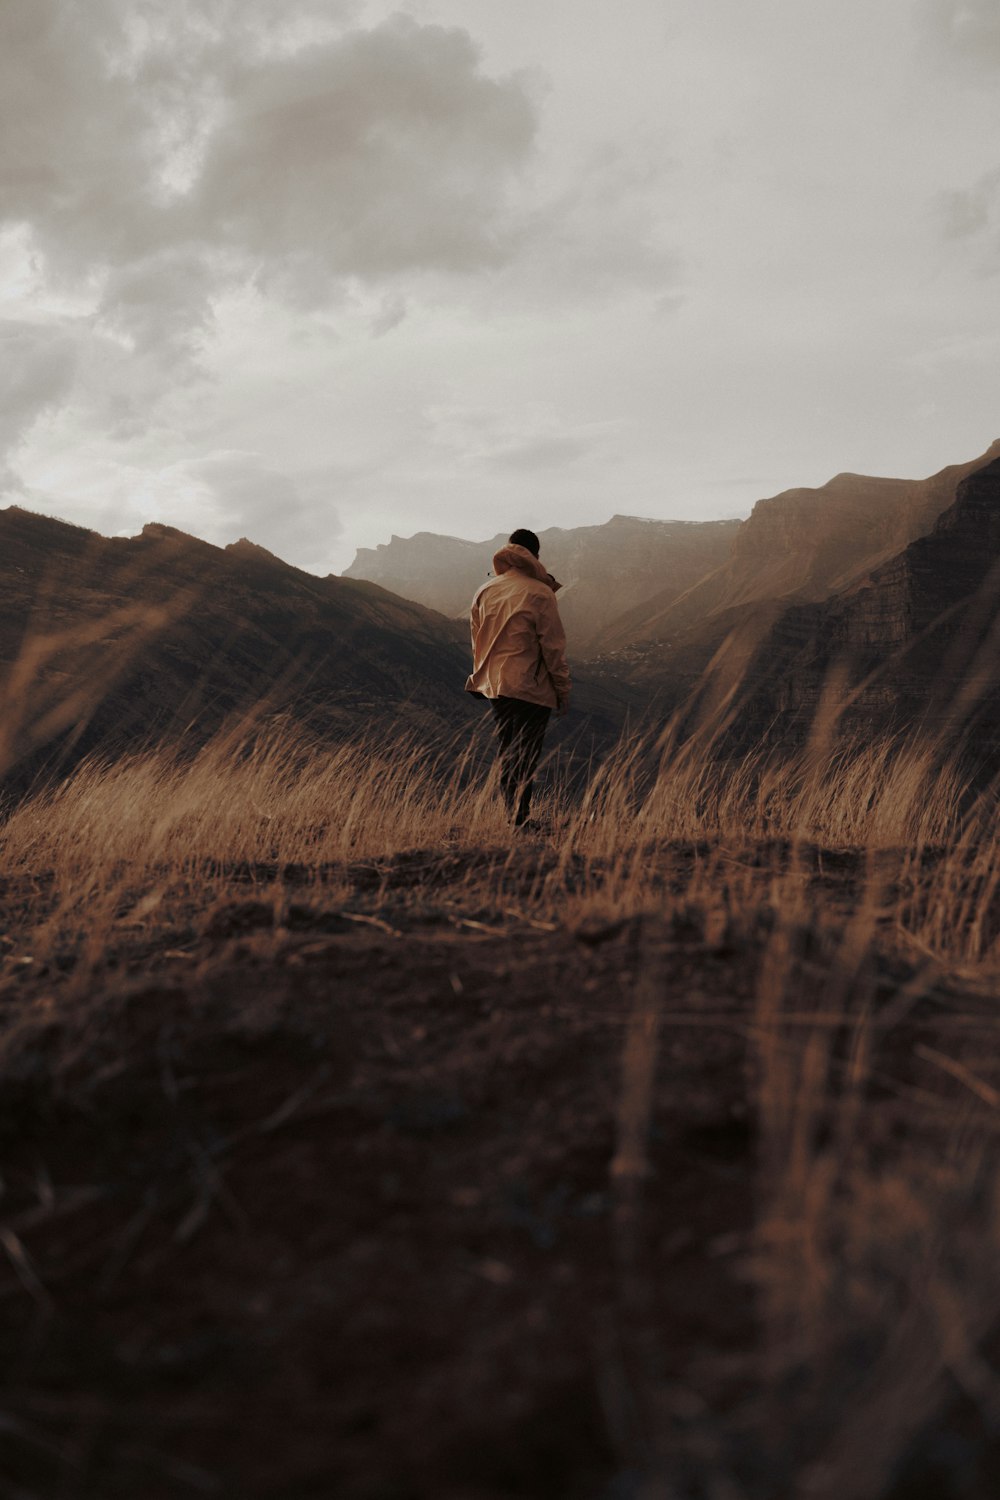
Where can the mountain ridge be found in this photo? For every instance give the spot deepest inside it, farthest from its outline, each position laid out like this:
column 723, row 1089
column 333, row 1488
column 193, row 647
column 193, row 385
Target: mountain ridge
column 788, row 548
column 913, row 644
column 110, row 643
column 602, row 567
column 152, row 634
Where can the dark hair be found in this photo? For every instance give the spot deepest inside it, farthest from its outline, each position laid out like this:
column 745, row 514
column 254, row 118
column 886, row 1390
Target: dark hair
column 523, row 538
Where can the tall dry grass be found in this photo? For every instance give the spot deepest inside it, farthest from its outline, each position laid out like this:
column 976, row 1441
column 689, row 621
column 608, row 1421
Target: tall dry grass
column 117, row 832
column 873, row 1256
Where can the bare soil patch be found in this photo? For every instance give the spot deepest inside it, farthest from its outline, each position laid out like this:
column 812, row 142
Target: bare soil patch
column 311, row 1194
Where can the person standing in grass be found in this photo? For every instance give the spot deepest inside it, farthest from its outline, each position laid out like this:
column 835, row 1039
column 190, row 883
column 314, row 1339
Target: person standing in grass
column 519, row 662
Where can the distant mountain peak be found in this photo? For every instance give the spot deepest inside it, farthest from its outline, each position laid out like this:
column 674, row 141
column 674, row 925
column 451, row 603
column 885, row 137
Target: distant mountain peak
column 246, row 548
column 157, row 531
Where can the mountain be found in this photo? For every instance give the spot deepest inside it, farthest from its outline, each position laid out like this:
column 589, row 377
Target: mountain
column 110, row 643
column 605, row 570
column 912, row 645
column 801, row 545
column 918, row 639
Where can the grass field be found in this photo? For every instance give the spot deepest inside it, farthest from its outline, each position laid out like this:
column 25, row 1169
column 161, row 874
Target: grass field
column 357, row 1146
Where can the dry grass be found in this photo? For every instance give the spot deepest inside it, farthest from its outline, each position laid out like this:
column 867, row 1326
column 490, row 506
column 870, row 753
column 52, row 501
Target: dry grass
column 116, row 833
column 878, row 1227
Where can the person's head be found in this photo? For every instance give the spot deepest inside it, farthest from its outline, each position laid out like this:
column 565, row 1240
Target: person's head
column 524, row 538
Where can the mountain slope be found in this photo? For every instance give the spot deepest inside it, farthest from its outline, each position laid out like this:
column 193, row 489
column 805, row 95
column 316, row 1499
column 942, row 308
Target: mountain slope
column 914, row 645
column 919, row 637
column 801, row 545
column 109, row 643
column 106, row 641
column 604, row 570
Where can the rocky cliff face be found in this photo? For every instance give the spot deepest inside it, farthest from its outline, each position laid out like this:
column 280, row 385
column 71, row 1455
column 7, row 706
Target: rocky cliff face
column 441, row 572
column 802, row 545
column 605, row 570
column 919, row 638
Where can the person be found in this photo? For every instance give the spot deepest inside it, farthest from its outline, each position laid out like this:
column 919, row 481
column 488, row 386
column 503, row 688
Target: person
column 519, row 662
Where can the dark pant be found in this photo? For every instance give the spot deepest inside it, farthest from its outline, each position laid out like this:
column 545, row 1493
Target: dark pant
column 520, row 729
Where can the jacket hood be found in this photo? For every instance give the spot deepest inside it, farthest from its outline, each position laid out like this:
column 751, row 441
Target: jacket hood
column 520, row 560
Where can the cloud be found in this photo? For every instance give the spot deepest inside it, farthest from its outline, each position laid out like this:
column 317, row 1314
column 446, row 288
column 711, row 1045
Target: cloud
column 156, row 153
column 608, row 226
column 367, row 153
column 392, row 311
column 967, row 29
column 161, row 302
column 74, row 138
column 37, row 365
column 972, row 216
column 523, row 437
column 237, row 493
column 385, row 151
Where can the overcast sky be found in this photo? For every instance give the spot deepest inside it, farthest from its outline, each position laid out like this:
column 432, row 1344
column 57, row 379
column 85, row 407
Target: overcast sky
column 322, row 271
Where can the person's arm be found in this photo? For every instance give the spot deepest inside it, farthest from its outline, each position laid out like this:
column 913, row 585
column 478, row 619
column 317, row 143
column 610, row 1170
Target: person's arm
column 552, row 639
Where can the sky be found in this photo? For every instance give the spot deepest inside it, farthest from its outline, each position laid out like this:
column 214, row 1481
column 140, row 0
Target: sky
column 323, row 272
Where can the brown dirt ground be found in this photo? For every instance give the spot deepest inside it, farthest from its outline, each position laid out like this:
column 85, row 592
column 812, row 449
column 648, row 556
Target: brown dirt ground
column 327, row 1210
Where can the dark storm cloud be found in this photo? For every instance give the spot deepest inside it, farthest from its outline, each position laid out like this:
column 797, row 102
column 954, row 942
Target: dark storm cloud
column 382, row 152
column 74, row 138
column 367, row 154
column 157, row 152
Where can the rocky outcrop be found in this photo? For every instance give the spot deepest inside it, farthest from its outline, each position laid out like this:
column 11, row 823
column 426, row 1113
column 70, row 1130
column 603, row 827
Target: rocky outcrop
column 605, row 570
column 917, row 641
column 802, row 545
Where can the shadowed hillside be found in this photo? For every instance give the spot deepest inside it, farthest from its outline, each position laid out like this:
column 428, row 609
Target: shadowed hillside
column 115, row 642
column 106, row 641
column 911, row 641
column 919, row 638
column 801, row 545
column 646, row 1151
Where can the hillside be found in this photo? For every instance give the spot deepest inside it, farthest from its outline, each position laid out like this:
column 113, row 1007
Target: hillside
column 646, row 1152
column 113, row 641
column 801, row 545
column 919, row 635
column 913, row 643
column 605, row 570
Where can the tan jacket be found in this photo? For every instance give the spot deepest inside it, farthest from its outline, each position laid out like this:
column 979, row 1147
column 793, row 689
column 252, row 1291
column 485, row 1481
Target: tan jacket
column 518, row 642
